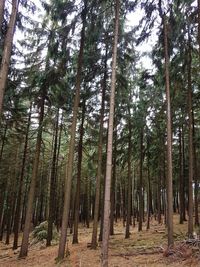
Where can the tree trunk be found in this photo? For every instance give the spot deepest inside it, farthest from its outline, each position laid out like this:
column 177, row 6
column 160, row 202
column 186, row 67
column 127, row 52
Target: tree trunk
column 196, row 183
column 3, row 142
column 148, row 188
column 29, row 211
column 181, row 177
column 21, row 179
column 5, row 63
column 11, row 193
column 169, row 141
column 69, row 167
column 141, row 186
column 113, row 182
column 159, row 197
column 2, row 5
column 99, row 167
column 191, row 152
column 106, row 224
column 78, row 183
column 128, row 215
column 52, row 196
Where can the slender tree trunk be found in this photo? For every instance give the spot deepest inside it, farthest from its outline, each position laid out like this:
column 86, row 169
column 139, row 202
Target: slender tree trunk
column 2, row 5
column 11, row 193
column 196, row 183
column 191, row 152
column 29, row 211
column 78, row 184
column 159, row 197
column 181, row 177
column 3, row 142
column 57, row 204
column 52, row 196
column 5, row 63
column 69, row 168
column 21, row 179
column 198, row 37
column 148, row 188
column 113, row 182
column 169, row 142
column 106, row 224
column 3, row 183
column 141, row 186
column 128, row 216
column 99, row 167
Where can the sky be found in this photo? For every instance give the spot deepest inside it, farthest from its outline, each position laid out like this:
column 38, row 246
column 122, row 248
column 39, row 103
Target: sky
column 133, row 19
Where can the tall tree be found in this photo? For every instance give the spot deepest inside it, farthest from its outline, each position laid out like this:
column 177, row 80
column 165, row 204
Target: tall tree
column 191, row 147
column 169, row 139
column 100, row 148
column 20, row 186
column 29, row 211
column 52, row 195
column 106, row 222
column 5, row 63
column 69, row 166
column 78, row 183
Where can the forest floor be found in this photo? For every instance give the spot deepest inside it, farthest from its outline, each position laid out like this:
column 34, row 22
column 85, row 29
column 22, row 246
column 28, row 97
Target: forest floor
column 146, row 248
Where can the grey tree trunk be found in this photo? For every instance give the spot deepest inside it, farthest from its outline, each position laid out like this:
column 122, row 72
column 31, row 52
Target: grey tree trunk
column 99, row 168
column 52, row 195
column 106, row 224
column 169, row 142
column 29, row 211
column 20, row 186
column 191, row 148
column 78, row 183
column 69, row 167
column 5, row 63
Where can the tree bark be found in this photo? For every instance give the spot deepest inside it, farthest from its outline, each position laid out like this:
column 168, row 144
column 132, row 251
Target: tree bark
column 128, row 216
column 52, row 196
column 106, row 224
column 29, row 211
column 7, row 51
column 78, row 183
column 69, row 167
column 141, row 186
column 191, row 148
column 181, row 178
column 99, row 167
column 169, row 141
column 2, row 5
column 113, row 182
column 21, row 179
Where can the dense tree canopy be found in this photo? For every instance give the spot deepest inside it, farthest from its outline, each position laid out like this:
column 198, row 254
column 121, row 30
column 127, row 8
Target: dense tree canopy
column 84, row 117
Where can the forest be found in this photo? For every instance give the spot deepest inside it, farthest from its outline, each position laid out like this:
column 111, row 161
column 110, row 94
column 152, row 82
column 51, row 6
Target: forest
column 99, row 133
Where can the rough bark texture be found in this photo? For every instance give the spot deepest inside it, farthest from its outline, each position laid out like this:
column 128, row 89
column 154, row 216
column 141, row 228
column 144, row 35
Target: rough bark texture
column 106, row 224
column 69, row 167
column 7, row 51
column 169, row 142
